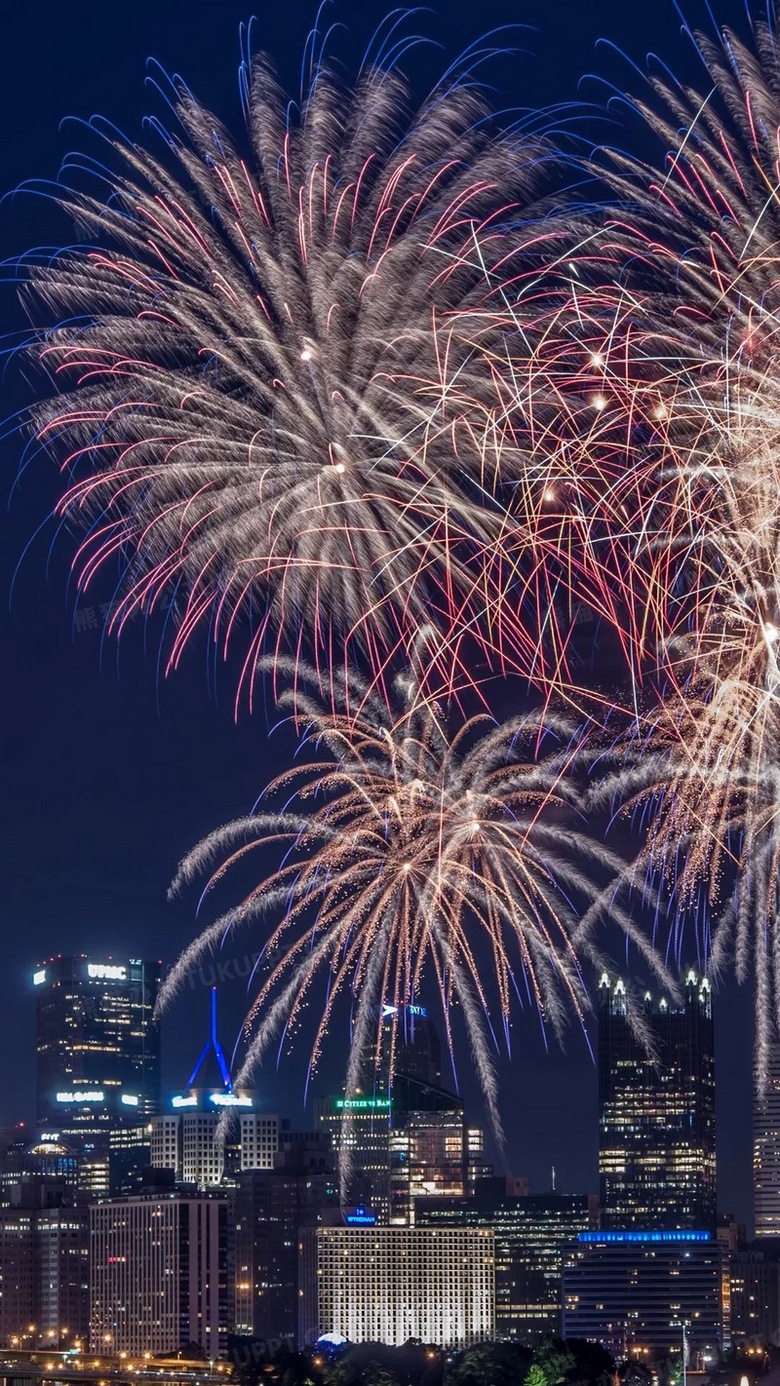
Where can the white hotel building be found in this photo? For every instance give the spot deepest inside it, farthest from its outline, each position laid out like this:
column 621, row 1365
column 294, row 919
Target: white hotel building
column 389, row 1284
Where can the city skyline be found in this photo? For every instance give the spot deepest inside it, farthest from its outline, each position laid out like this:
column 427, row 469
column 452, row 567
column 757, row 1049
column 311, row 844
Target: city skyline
column 105, row 791
column 201, row 1065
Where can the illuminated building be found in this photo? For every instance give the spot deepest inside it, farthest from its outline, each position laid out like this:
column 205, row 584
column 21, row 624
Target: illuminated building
column 657, row 1113
column 39, row 1175
column 634, row 1290
column 129, row 1155
column 44, row 1289
column 390, row 1284
column 159, row 1274
column 412, row 1145
column 62, row 1257
column 766, row 1152
column 754, row 1286
column 531, row 1233
column 417, row 1048
column 98, row 1054
column 360, row 1126
column 269, row 1209
column 429, row 1149
column 184, row 1137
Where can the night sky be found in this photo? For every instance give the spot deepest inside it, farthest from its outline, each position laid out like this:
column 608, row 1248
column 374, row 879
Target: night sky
column 111, row 772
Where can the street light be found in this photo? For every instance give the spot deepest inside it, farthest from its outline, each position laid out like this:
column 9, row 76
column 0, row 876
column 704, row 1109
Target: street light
column 683, row 1325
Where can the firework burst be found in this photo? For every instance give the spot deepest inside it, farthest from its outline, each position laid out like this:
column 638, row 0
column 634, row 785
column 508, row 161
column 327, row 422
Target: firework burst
column 696, row 252
column 407, row 848
column 273, row 401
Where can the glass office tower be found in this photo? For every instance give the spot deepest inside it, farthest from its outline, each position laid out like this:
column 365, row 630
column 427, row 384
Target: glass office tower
column 98, row 1053
column 657, row 1110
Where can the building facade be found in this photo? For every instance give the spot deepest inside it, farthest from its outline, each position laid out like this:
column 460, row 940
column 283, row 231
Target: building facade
column 657, row 1110
column 184, row 1138
column 358, row 1129
column 429, row 1148
column 399, row 1149
column 159, row 1274
column 754, row 1277
column 389, row 1284
column 531, row 1234
column 44, row 1280
column 638, row 1292
column 270, row 1207
column 98, row 1055
column 766, row 1150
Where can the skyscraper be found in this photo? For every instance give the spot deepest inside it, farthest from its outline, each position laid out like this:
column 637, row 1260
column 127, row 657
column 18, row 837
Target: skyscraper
column 657, row 1112
column 766, row 1152
column 159, row 1274
column 98, row 1054
column 359, row 1128
column 428, row 1147
column 270, row 1207
column 184, row 1139
column 532, row 1231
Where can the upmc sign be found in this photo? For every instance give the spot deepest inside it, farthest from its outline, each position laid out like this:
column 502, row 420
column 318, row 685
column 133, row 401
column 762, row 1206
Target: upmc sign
column 107, row 972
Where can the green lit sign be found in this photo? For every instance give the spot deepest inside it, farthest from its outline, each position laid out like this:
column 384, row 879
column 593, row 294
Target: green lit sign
column 364, row 1104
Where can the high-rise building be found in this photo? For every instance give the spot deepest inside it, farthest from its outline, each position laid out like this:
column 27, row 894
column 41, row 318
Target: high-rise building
column 531, row 1233
column 429, row 1147
column 411, row 1145
column 646, row 1292
column 39, row 1175
column 390, row 1284
column 62, row 1265
column 129, row 1156
column 270, row 1207
column 358, row 1129
column 657, row 1111
column 159, row 1274
column 185, row 1139
column 766, row 1150
column 98, row 1054
column 754, row 1277
column 410, row 1036
column 44, row 1281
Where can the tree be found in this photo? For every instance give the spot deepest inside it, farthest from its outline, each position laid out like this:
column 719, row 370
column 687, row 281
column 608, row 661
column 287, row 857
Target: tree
column 535, row 1376
column 555, row 1360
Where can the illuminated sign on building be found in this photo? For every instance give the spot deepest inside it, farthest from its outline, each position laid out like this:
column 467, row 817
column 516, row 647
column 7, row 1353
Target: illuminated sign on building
column 108, row 972
column 39, row 977
column 388, row 1010
column 129, row 1100
column 184, row 1101
column 90, row 1095
column 364, row 1104
column 360, row 1217
column 676, row 1236
column 229, row 1099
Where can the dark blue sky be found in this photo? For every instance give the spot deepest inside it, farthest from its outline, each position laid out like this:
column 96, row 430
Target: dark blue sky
column 109, row 773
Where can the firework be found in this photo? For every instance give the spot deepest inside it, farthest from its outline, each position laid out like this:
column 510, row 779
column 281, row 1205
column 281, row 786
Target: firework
column 273, row 397
column 697, row 252
column 410, row 849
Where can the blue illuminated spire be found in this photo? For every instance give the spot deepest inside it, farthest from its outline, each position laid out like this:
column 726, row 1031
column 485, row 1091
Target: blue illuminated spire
column 212, row 1043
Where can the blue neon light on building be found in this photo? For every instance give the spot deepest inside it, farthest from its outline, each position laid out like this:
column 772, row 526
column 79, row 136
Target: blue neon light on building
column 678, row 1235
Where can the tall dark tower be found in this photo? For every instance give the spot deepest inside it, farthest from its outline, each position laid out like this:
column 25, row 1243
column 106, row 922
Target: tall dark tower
column 98, row 1054
column 657, row 1114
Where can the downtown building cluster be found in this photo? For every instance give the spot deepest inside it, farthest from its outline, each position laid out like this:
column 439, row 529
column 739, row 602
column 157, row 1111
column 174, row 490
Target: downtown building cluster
column 128, row 1226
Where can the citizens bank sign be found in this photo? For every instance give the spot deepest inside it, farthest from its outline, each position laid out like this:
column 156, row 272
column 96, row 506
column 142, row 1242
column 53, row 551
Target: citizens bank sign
column 107, row 972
